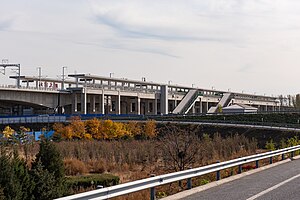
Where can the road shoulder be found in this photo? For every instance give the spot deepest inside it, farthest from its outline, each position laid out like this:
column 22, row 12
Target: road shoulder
column 195, row 190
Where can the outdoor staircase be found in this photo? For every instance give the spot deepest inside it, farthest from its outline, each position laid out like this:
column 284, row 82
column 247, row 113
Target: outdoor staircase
column 187, row 102
column 224, row 102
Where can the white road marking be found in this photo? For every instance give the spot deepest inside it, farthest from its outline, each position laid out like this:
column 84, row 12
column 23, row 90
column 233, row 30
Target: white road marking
column 273, row 188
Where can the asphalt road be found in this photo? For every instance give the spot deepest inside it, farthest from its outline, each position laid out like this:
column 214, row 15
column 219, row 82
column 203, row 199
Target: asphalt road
column 276, row 183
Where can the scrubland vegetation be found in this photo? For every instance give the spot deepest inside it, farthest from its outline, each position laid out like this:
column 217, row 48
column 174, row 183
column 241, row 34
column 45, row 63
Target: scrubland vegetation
column 97, row 152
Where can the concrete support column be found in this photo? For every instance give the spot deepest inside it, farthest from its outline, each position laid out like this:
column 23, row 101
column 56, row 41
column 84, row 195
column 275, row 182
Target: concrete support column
column 101, row 103
column 201, row 111
column 37, row 84
column 147, row 109
column 108, row 104
column 93, row 102
column 206, row 107
column 155, row 106
column 164, row 99
column 74, row 103
column 138, row 106
column 83, row 101
column 193, row 109
column 118, row 104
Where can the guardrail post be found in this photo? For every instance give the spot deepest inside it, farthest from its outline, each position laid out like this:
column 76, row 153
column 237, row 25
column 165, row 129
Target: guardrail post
column 218, row 173
column 257, row 164
column 240, row 169
column 282, row 157
column 271, row 160
column 152, row 190
column 292, row 155
column 189, row 182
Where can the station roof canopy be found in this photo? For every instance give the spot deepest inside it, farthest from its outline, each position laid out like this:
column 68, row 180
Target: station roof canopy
column 89, row 77
column 35, row 78
column 103, row 78
column 125, row 80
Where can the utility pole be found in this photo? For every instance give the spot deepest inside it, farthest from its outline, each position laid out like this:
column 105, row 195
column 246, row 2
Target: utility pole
column 15, row 67
column 40, row 75
column 63, row 78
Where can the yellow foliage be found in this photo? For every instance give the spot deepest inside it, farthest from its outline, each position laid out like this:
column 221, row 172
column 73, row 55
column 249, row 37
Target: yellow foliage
column 58, row 128
column 120, row 130
column 7, row 132
column 92, row 127
column 107, row 129
column 23, row 129
column 88, row 136
column 67, row 132
column 133, row 128
column 77, row 127
column 150, row 129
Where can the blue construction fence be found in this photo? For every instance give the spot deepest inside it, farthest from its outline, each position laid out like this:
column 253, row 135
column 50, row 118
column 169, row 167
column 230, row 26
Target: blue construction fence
column 37, row 134
column 27, row 136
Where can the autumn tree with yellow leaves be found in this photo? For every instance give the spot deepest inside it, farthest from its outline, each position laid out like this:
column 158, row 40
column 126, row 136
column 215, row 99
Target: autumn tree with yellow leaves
column 8, row 132
column 104, row 129
column 150, row 129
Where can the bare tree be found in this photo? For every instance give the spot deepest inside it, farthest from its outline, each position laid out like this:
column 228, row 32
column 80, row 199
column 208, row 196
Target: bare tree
column 179, row 147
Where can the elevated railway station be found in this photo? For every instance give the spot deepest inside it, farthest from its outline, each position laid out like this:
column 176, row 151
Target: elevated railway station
column 92, row 94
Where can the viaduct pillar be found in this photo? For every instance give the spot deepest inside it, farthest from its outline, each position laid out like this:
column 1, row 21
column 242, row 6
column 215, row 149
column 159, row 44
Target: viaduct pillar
column 164, row 99
column 83, row 101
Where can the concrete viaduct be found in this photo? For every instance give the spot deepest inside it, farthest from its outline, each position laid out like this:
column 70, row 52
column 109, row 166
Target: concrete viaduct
column 87, row 94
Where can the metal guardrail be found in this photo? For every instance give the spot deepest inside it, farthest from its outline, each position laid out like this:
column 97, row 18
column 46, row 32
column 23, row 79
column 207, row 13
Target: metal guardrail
column 32, row 119
column 151, row 183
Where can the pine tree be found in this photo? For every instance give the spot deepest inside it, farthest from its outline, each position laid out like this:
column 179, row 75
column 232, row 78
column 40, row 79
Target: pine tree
column 6, row 177
column 52, row 161
column 44, row 182
column 22, row 177
column 14, row 177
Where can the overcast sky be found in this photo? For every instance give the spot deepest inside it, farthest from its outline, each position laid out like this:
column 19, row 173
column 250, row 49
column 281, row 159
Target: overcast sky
column 241, row 45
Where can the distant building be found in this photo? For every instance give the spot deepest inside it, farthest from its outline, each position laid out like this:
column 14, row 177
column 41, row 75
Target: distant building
column 239, row 108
